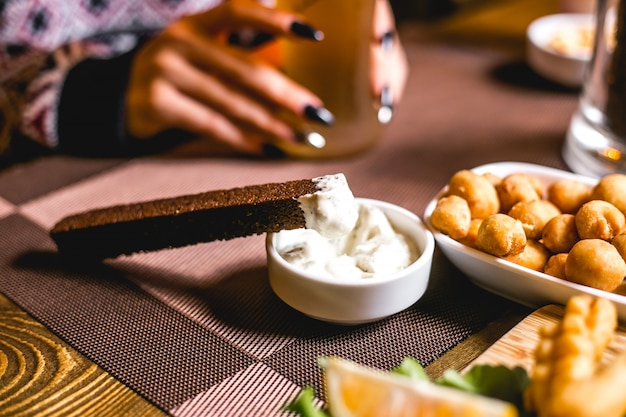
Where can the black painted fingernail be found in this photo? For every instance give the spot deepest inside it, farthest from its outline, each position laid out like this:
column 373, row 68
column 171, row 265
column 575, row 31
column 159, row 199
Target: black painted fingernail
column 306, row 31
column 273, row 151
column 261, row 38
column 313, row 139
column 385, row 112
column 319, row 114
column 387, row 41
column 248, row 40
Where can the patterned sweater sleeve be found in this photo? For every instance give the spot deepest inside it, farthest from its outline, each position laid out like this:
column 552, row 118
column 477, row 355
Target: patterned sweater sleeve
column 64, row 67
column 74, row 93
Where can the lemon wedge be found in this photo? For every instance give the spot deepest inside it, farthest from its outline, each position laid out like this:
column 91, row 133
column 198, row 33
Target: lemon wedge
column 353, row 390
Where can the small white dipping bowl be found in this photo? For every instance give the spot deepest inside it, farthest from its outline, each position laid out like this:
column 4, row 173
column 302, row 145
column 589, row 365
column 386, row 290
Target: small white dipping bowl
column 565, row 69
column 352, row 301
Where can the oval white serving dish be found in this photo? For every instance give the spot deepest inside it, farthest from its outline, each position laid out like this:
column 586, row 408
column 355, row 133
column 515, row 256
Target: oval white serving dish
column 522, row 285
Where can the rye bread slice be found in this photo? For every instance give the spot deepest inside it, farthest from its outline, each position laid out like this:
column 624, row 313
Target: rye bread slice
column 181, row 221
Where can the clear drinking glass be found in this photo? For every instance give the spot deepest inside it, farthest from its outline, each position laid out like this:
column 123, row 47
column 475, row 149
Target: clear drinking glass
column 337, row 69
column 596, row 139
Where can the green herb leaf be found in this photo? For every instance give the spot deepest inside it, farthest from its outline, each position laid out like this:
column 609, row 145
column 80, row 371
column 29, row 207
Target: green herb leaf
column 304, row 404
column 411, row 368
column 501, row 382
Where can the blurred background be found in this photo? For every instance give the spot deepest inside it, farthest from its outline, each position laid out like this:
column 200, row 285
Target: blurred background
column 435, row 9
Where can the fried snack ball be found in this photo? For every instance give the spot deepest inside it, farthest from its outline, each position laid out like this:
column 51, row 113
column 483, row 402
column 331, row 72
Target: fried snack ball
column 560, row 233
column 534, row 215
column 534, row 256
column 472, row 234
column 479, row 193
column 611, row 188
column 493, row 178
column 501, row 235
column 595, row 263
column 619, row 242
column 518, row 187
column 569, row 195
column 556, row 265
column 452, row 216
column 599, row 219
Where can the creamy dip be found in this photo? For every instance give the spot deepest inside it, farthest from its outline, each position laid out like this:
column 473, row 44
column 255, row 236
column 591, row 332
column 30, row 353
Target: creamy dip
column 372, row 248
column 331, row 210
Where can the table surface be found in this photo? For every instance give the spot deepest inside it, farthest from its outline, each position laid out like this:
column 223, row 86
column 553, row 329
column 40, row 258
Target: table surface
column 197, row 330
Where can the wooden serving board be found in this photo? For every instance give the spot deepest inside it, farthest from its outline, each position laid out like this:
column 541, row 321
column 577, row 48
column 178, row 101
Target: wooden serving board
column 516, row 348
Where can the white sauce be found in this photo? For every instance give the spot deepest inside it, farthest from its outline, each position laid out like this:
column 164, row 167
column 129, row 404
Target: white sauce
column 372, row 248
column 331, row 210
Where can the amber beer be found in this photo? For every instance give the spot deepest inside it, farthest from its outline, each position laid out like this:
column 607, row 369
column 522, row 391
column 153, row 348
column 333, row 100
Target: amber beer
column 337, row 69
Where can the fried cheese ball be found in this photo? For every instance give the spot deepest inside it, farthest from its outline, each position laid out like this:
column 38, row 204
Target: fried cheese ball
column 565, row 377
column 472, row 234
column 534, row 256
column 619, row 242
column 534, row 214
column 555, row 266
column 611, row 188
column 595, row 263
column 501, row 235
column 493, row 178
column 569, row 195
column 518, row 187
column 452, row 216
column 479, row 193
column 599, row 219
column 560, row 233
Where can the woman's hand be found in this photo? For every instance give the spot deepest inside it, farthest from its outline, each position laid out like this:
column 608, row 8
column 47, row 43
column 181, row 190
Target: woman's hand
column 189, row 77
column 389, row 63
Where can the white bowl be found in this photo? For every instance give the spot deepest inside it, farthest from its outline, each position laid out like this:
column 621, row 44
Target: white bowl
column 517, row 283
column 356, row 301
column 563, row 68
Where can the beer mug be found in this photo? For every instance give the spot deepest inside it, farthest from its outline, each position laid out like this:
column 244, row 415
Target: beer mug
column 337, row 69
column 596, row 139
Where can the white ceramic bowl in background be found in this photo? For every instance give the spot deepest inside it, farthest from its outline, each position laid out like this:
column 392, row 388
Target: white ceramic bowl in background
column 567, row 70
column 517, row 283
column 356, row 301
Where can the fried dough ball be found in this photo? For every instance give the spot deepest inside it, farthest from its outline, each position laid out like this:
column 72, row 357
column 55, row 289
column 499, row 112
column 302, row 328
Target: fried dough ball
column 472, row 234
column 556, row 265
column 560, row 233
column 611, row 188
column 595, row 263
column 619, row 242
column 534, row 256
column 479, row 193
column 452, row 216
column 518, row 187
column 599, row 219
column 534, row 215
column 501, row 235
column 569, row 195
column 493, row 178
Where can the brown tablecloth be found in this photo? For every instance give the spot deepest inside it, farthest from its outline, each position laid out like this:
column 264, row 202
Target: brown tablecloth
column 198, row 330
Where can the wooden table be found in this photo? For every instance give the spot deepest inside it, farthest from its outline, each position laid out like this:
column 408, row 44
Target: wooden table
column 153, row 334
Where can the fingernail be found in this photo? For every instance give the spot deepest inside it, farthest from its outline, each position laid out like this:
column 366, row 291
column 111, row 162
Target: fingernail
column 261, row 38
column 387, row 41
column 319, row 114
column 305, row 31
column 313, row 139
column 273, row 151
column 385, row 112
column 248, row 40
